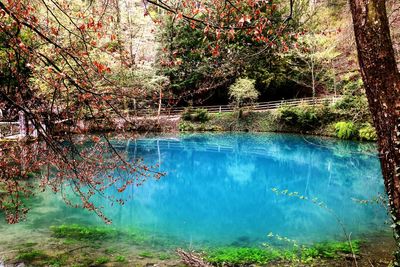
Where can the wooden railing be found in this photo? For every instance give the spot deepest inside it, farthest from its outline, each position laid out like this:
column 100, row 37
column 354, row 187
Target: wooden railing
column 260, row 106
column 13, row 128
column 8, row 129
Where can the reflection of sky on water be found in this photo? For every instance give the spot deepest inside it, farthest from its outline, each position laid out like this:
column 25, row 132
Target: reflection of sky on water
column 218, row 188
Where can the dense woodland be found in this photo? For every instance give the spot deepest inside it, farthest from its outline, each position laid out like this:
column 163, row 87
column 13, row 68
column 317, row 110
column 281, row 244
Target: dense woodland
column 69, row 67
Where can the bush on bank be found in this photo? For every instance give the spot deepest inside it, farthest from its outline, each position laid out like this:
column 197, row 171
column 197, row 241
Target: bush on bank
column 347, row 119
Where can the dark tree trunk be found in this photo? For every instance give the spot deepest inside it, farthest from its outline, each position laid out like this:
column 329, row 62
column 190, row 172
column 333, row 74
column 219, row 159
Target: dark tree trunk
column 382, row 84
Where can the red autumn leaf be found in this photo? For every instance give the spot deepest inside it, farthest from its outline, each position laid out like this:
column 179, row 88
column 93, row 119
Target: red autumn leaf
column 96, row 139
column 215, row 51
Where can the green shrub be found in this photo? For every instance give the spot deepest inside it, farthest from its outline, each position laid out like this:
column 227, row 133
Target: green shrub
column 348, row 102
column 201, row 115
column 288, row 115
column 195, row 115
column 243, row 91
column 354, row 108
column 345, row 130
column 352, row 86
column 186, row 126
column 186, row 114
column 367, row 133
column 306, row 117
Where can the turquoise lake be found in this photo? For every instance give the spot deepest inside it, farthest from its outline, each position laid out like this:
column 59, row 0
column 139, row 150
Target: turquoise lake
column 234, row 189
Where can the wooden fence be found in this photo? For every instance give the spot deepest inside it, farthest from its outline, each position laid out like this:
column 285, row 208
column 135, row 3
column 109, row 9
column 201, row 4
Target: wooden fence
column 260, row 106
column 13, row 129
column 8, row 129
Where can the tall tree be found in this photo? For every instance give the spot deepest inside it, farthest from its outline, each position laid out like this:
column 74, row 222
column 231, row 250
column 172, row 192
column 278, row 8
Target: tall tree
column 382, row 84
column 53, row 56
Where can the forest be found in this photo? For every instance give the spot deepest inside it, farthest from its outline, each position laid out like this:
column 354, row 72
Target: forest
column 200, row 133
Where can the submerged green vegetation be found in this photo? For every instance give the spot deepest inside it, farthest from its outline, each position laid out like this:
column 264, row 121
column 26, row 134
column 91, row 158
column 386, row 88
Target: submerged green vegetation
column 75, row 232
column 237, row 52
column 303, row 254
column 81, row 245
column 79, row 232
column 97, row 246
column 88, row 254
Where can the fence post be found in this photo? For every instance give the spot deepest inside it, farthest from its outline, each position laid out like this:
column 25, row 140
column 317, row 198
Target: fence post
column 35, row 133
column 23, row 131
column 220, row 110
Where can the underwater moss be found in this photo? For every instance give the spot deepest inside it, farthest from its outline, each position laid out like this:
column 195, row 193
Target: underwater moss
column 57, row 261
column 79, row 232
column 331, row 250
column 243, row 255
column 237, row 255
column 22, row 247
column 31, row 255
column 164, row 256
column 110, row 250
column 146, row 254
column 74, row 232
column 120, row 258
column 137, row 238
column 101, row 260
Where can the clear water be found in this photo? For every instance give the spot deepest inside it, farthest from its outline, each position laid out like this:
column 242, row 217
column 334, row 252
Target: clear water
column 219, row 190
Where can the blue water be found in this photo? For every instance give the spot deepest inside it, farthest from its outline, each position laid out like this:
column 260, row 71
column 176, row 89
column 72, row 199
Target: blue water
column 219, row 190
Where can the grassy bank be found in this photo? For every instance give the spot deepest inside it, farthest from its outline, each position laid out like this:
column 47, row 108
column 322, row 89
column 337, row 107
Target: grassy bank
column 347, row 119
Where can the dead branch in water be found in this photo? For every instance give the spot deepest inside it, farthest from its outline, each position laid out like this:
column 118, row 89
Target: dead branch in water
column 192, row 259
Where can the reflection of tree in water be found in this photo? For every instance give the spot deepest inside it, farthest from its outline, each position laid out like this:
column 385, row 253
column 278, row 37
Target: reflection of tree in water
column 75, row 172
column 210, row 176
column 219, row 189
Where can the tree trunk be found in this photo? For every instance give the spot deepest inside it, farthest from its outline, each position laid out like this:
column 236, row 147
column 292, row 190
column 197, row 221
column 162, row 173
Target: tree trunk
column 382, row 85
